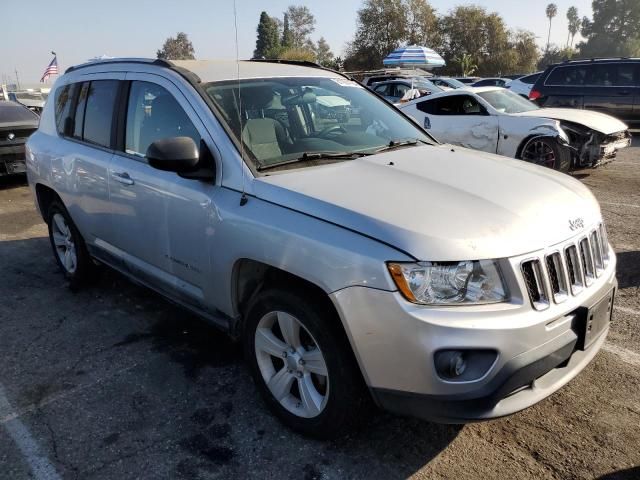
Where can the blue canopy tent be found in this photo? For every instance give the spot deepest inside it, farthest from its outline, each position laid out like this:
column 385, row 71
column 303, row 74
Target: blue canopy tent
column 414, row 56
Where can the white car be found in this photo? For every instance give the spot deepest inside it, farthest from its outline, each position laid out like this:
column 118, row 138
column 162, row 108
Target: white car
column 496, row 120
column 523, row 85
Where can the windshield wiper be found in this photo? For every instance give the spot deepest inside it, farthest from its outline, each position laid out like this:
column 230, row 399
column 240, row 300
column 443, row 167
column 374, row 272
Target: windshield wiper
column 306, row 156
column 400, row 143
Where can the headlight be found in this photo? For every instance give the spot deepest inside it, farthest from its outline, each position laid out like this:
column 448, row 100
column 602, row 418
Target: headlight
column 449, row 283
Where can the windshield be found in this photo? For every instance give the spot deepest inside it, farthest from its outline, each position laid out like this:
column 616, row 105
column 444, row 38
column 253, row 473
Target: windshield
column 281, row 120
column 454, row 83
column 427, row 85
column 508, row 102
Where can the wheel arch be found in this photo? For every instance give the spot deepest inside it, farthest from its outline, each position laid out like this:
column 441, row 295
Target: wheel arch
column 44, row 196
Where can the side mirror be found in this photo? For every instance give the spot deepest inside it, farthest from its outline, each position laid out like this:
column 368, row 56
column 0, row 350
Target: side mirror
column 175, row 154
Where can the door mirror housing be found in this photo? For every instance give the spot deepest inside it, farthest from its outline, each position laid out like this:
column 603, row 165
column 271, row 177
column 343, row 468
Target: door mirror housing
column 175, row 154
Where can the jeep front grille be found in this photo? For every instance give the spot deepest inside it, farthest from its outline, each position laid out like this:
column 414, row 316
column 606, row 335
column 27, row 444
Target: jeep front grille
column 561, row 273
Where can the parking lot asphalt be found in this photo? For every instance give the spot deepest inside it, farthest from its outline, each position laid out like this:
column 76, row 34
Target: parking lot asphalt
column 113, row 382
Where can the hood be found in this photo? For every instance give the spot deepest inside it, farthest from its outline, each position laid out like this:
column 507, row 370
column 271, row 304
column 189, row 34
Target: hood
column 600, row 122
column 439, row 203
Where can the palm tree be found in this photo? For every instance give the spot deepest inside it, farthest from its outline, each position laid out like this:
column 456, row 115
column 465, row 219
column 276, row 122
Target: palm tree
column 466, row 64
column 552, row 11
column 574, row 24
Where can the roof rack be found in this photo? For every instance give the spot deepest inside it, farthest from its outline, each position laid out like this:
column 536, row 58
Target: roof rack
column 160, row 62
column 301, row 63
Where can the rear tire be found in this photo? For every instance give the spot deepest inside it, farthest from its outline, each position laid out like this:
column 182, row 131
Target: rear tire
column 68, row 246
column 301, row 362
column 547, row 152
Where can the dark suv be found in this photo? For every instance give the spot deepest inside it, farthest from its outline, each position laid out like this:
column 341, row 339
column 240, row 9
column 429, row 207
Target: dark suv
column 607, row 85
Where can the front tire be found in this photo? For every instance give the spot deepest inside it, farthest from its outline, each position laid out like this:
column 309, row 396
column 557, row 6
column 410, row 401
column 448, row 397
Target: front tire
column 547, row 152
column 68, row 245
column 301, row 363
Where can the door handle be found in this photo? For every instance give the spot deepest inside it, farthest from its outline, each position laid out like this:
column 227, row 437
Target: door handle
column 122, row 177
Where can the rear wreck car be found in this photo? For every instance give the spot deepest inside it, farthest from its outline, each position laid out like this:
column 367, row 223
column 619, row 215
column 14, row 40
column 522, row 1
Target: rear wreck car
column 499, row 121
column 16, row 124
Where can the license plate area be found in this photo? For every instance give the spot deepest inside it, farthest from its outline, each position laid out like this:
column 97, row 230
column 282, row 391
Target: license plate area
column 589, row 322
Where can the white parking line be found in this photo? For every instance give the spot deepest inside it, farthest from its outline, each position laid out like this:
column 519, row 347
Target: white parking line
column 626, row 355
column 40, row 465
column 630, row 311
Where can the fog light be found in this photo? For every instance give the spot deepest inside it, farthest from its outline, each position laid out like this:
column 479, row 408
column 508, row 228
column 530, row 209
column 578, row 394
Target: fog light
column 450, row 363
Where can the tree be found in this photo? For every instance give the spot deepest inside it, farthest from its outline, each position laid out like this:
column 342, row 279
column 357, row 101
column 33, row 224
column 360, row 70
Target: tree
column 287, row 35
column 614, row 30
column 554, row 54
column 179, row 48
column 551, row 11
column 381, row 27
column 324, row 56
column 527, row 53
column 268, row 41
column 467, row 66
column 301, row 54
column 574, row 24
column 422, row 24
column 301, row 23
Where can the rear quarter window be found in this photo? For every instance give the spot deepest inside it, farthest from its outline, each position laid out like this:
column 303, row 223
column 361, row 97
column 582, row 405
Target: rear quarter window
column 63, row 101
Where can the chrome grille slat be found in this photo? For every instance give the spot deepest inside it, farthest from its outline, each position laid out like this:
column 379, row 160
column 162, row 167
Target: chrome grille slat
column 557, row 277
column 567, row 272
column 536, row 285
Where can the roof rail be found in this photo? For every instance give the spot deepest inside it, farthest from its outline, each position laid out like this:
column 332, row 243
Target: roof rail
column 302, row 63
column 160, row 62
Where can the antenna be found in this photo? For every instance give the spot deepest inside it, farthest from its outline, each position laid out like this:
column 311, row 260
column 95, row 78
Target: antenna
column 243, row 197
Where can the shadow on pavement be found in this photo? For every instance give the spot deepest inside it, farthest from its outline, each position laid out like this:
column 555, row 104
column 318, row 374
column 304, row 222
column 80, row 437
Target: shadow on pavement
column 632, row 473
column 628, row 270
column 11, row 181
column 189, row 403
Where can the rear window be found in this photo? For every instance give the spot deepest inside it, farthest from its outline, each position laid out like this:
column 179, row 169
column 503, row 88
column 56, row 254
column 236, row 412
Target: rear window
column 530, row 79
column 10, row 112
column 98, row 115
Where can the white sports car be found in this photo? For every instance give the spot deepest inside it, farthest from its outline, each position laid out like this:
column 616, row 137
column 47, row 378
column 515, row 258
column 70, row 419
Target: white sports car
column 499, row 121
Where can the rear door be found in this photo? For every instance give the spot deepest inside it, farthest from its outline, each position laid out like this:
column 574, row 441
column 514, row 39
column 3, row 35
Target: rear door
column 85, row 120
column 563, row 87
column 610, row 88
column 162, row 221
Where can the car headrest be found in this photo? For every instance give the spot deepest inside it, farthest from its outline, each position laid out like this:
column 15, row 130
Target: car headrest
column 306, row 97
column 256, row 97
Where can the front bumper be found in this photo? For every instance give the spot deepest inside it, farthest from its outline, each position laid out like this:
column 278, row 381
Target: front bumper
column 395, row 343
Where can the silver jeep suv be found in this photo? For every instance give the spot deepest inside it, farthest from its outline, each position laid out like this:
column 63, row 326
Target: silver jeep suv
column 354, row 255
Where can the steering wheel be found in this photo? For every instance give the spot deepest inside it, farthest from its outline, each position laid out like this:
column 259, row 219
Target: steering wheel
column 324, row 133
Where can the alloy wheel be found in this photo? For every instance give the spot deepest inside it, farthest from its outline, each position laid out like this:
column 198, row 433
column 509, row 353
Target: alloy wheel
column 64, row 244
column 540, row 153
column 292, row 364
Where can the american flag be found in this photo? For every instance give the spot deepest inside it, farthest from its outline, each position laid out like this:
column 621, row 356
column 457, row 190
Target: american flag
column 52, row 69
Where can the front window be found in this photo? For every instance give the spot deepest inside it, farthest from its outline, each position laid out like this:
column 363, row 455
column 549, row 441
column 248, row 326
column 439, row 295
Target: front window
column 286, row 120
column 506, row 101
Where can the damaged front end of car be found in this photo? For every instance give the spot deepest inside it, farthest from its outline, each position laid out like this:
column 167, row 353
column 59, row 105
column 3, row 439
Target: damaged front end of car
column 590, row 148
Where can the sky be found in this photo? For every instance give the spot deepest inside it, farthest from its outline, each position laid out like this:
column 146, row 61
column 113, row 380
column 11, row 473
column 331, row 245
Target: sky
column 81, row 29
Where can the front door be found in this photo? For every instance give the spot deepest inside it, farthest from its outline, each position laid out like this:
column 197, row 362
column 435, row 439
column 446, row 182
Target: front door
column 460, row 120
column 162, row 221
